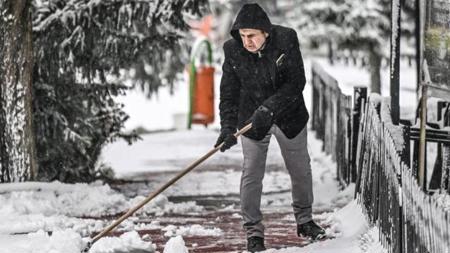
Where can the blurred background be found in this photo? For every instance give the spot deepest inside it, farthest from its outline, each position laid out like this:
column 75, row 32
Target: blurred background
column 345, row 36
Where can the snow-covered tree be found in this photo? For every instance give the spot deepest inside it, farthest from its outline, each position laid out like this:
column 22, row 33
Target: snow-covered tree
column 17, row 149
column 80, row 49
column 356, row 25
column 367, row 28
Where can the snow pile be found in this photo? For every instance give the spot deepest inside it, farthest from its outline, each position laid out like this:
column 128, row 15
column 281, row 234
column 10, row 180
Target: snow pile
column 194, row 230
column 370, row 242
column 17, row 224
column 175, row 245
column 40, row 242
column 161, row 205
column 148, row 226
column 347, row 225
column 55, row 198
column 55, row 211
column 443, row 200
column 341, row 227
column 128, row 242
column 29, row 207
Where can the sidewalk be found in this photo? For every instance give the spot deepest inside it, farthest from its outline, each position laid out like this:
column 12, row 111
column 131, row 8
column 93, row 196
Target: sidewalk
column 214, row 187
column 200, row 213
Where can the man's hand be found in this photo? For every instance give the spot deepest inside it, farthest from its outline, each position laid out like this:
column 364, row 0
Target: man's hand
column 227, row 137
column 262, row 120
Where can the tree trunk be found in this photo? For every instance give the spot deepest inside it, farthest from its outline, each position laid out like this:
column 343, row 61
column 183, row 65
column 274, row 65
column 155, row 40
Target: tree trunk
column 375, row 68
column 17, row 142
column 330, row 52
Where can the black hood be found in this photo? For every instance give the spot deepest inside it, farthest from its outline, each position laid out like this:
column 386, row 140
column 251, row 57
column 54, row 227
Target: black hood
column 250, row 16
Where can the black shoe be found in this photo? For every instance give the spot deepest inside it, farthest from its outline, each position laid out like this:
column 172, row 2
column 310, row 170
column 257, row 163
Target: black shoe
column 310, row 230
column 255, row 244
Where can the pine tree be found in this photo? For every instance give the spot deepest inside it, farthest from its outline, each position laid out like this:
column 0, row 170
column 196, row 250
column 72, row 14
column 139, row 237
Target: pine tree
column 17, row 155
column 81, row 47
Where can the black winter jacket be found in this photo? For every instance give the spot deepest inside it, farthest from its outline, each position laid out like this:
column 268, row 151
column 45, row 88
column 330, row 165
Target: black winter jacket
column 279, row 87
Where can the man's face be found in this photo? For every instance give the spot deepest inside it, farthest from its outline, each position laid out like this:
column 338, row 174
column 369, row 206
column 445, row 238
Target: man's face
column 252, row 39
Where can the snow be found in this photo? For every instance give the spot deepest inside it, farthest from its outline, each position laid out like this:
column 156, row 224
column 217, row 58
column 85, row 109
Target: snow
column 40, row 242
column 192, row 144
column 166, row 111
column 30, row 211
column 349, row 226
column 193, row 230
column 127, row 242
column 175, row 245
column 443, row 200
column 161, row 205
column 350, row 229
column 61, row 199
column 360, row 77
column 395, row 30
column 41, row 207
column 159, row 112
column 371, row 243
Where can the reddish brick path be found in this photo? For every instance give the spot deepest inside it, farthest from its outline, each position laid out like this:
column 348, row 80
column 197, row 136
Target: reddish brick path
column 280, row 225
column 280, row 232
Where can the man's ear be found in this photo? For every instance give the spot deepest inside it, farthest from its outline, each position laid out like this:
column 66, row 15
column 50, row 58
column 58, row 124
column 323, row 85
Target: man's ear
column 266, row 34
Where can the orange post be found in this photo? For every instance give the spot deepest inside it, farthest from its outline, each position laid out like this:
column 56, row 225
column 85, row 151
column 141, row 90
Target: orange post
column 201, row 80
column 203, row 107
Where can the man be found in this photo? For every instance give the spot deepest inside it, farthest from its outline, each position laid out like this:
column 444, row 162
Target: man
column 262, row 83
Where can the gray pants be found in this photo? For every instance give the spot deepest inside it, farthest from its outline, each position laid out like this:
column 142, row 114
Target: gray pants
column 297, row 161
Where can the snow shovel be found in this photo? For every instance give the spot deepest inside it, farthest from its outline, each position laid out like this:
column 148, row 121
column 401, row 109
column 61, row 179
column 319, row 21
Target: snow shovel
column 160, row 190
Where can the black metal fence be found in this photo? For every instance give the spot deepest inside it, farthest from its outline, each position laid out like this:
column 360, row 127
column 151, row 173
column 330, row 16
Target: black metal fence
column 380, row 162
column 377, row 152
column 331, row 119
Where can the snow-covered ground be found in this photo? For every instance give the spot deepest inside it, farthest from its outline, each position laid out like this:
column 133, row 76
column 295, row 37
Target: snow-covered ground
column 55, row 217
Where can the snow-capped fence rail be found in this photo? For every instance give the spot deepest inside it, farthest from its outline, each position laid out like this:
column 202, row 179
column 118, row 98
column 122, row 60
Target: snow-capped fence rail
column 409, row 219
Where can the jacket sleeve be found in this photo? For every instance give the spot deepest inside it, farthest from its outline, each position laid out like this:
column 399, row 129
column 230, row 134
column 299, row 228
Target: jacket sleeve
column 229, row 93
column 291, row 90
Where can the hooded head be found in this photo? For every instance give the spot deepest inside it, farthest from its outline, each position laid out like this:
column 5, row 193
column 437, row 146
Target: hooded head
column 251, row 16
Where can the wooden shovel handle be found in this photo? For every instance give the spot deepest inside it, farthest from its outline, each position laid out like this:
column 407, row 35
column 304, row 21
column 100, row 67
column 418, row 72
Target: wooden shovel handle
column 165, row 186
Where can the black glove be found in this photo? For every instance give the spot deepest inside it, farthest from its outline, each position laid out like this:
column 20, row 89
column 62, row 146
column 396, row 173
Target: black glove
column 227, row 137
column 262, row 120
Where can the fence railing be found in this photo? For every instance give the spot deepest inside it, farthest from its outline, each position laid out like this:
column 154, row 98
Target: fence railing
column 332, row 121
column 379, row 163
column 409, row 219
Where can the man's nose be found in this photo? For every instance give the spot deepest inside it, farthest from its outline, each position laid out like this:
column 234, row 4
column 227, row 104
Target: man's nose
column 247, row 41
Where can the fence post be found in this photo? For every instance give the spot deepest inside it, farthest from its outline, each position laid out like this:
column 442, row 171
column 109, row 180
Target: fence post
column 446, row 155
column 313, row 99
column 422, row 170
column 439, row 174
column 405, row 158
column 359, row 96
column 358, row 156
